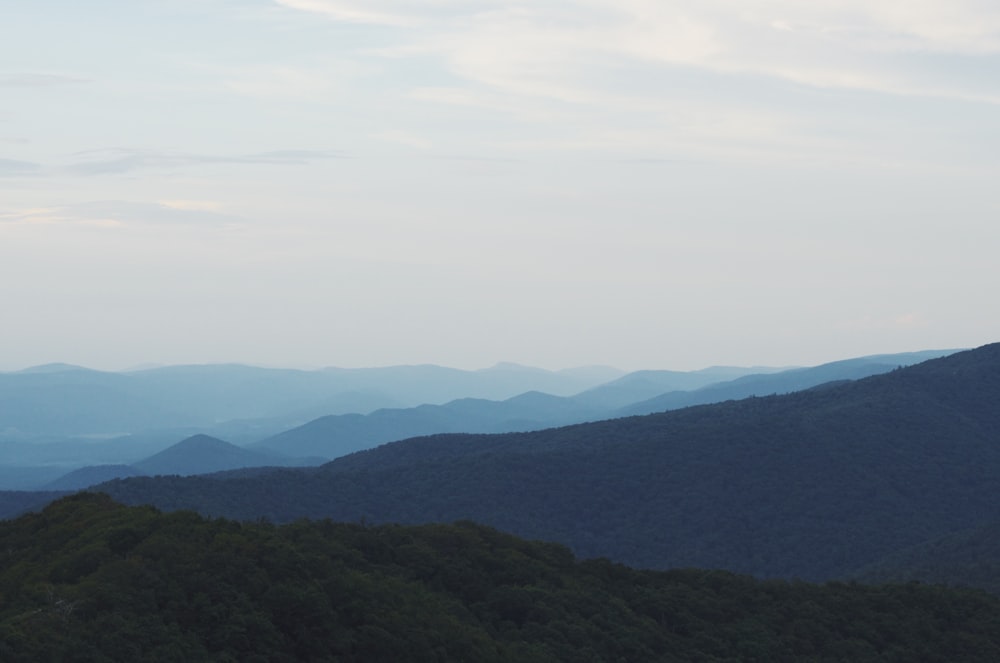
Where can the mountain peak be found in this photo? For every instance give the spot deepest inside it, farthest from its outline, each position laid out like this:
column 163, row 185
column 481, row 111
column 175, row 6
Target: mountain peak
column 202, row 454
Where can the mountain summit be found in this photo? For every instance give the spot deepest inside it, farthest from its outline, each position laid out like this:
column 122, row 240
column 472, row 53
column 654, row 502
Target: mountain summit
column 201, row 454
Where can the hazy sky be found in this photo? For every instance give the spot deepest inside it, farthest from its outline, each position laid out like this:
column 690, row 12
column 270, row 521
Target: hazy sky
column 641, row 183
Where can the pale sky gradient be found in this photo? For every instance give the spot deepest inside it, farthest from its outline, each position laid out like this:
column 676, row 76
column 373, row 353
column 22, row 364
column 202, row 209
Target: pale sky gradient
column 640, row 183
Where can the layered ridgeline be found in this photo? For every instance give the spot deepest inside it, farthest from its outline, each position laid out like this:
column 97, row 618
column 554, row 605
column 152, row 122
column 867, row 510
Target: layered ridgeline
column 60, row 419
column 61, row 399
column 815, row 484
column 198, row 454
column 641, row 392
column 89, row 580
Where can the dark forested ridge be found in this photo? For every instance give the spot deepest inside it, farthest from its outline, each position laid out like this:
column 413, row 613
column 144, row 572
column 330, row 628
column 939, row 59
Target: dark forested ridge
column 90, row 580
column 812, row 485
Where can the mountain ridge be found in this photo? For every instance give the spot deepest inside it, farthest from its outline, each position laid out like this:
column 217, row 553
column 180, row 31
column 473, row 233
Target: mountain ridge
column 812, row 484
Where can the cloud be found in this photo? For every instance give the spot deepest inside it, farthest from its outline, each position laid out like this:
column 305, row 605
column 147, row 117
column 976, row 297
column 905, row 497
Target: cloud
column 38, row 80
column 120, row 213
column 198, row 205
column 15, row 168
column 404, row 138
column 118, row 161
column 375, row 12
column 550, row 48
column 281, row 82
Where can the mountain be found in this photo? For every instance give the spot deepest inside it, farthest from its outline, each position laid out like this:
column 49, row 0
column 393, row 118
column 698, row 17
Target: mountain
column 58, row 417
column 201, row 454
column 65, row 400
column 781, row 382
column 56, row 400
column 90, row 476
column 641, row 385
column 814, row 484
column 337, row 435
column 90, row 580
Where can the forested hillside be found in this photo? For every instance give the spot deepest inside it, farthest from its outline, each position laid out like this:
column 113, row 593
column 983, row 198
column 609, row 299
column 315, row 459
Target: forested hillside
column 90, row 580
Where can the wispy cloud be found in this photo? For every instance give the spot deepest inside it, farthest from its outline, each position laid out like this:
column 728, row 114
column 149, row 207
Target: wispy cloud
column 38, row 80
column 15, row 168
column 376, row 12
column 120, row 213
column 285, row 82
column 119, row 160
column 404, row 138
column 547, row 48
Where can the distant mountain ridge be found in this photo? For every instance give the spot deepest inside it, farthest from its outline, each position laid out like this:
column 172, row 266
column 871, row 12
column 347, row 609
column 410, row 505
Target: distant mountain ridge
column 84, row 394
column 198, row 454
column 814, row 484
column 781, row 382
column 60, row 399
column 336, row 435
column 201, row 454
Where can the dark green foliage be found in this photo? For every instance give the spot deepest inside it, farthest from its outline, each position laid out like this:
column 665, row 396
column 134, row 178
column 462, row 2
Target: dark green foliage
column 89, row 580
column 810, row 485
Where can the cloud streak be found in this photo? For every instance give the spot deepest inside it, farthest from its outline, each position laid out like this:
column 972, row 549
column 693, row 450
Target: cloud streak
column 120, row 213
column 39, row 80
column 16, row 168
column 119, row 161
column 545, row 48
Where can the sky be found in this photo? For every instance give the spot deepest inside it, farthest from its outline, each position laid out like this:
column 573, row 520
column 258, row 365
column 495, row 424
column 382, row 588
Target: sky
column 635, row 183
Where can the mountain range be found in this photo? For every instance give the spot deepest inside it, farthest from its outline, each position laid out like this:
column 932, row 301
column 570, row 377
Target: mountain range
column 816, row 484
column 334, row 436
column 64, row 400
column 37, row 461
